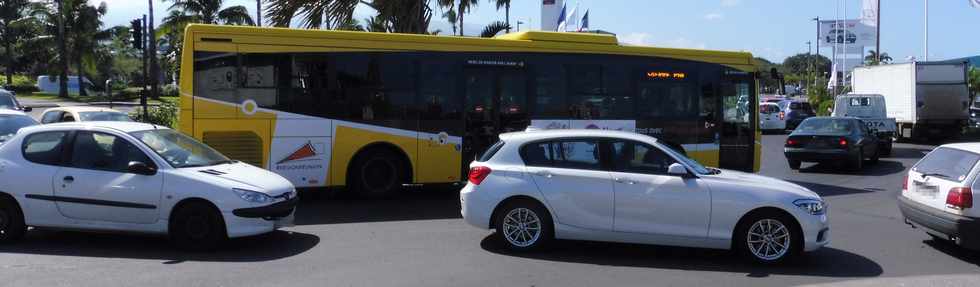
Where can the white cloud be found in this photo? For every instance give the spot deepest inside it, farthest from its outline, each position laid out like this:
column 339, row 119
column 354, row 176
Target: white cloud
column 730, row 3
column 682, row 42
column 714, row 16
column 635, row 39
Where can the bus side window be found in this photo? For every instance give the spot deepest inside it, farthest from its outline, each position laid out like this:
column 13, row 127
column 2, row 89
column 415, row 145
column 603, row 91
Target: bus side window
column 548, row 79
column 437, row 88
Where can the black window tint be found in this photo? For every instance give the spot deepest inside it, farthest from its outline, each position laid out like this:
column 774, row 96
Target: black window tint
column 640, row 158
column 549, row 91
column 537, row 154
column 590, row 97
column 260, row 78
column 438, row 91
column 577, row 154
column 308, row 87
column 51, row 117
column 44, row 147
column 667, row 100
column 375, row 86
column 7, row 101
column 216, row 76
column 949, row 163
column 491, row 151
column 100, row 151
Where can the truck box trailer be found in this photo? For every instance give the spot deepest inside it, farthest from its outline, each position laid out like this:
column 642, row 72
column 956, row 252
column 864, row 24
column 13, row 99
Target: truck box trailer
column 927, row 100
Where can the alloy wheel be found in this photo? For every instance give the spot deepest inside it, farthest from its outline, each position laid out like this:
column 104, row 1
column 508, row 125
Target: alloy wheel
column 522, row 227
column 768, row 239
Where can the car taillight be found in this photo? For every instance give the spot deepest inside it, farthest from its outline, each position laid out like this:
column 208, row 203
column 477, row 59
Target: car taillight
column 905, row 183
column 960, row 197
column 478, row 174
column 792, row 142
column 782, row 115
column 842, row 142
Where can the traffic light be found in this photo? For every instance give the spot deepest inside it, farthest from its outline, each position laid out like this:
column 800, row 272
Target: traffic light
column 137, row 31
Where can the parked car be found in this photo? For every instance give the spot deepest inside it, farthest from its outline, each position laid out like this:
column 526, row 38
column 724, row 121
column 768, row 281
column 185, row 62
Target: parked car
column 871, row 109
column 11, row 121
column 8, row 100
column 536, row 186
column 796, row 111
column 135, row 177
column 937, row 194
column 835, row 140
column 771, row 118
column 82, row 114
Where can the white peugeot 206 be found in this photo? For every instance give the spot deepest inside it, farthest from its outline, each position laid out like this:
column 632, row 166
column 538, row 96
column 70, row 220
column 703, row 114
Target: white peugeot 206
column 135, row 177
column 536, row 186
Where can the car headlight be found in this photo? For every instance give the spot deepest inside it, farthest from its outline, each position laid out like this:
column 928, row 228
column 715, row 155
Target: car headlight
column 812, row 206
column 252, row 196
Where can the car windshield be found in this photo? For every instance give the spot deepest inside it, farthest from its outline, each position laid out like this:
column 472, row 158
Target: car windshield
column 180, row 150
column 947, row 163
column 825, row 126
column 698, row 168
column 104, row 116
column 10, row 124
column 7, row 101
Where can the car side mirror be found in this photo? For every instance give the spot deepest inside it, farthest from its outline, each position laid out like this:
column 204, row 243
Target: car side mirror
column 142, row 168
column 678, row 170
column 27, row 109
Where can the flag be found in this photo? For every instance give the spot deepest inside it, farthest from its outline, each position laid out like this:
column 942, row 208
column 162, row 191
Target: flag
column 572, row 20
column 833, row 77
column 561, row 19
column 585, row 21
column 975, row 3
column 869, row 13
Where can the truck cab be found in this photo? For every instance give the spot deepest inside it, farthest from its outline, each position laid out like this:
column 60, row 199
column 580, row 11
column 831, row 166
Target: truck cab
column 871, row 109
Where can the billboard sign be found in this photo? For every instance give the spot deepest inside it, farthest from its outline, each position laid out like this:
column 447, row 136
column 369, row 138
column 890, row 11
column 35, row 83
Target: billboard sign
column 850, row 32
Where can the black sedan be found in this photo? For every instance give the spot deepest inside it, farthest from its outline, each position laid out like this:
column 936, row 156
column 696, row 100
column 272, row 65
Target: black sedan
column 837, row 140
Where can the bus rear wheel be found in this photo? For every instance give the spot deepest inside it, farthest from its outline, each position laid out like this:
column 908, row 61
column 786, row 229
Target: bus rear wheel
column 376, row 174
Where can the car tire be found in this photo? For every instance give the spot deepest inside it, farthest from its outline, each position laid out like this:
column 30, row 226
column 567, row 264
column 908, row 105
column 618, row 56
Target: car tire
column 874, row 158
column 377, row 174
column 12, row 227
column 197, row 226
column 887, row 149
column 857, row 163
column 768, row 238
column 524, row 226
column 794, row 164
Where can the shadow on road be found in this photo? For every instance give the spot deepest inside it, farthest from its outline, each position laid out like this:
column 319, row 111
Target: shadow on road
column 883, row 167
column 909, row 152
column 951, row 249
column 826, row 262
column 434, row 203
column 267, row 247
column 831, row 190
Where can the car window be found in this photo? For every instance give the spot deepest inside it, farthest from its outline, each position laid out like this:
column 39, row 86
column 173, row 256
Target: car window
column 7, row 101
column 490, row 151
column 101, row 151
column 948, row 163
column 629, row 156
column 827, row 126
column 10, row 124
column 574, row 154
column 44, row 147
column 51, row 117
column 103, row 116
column 67, row 117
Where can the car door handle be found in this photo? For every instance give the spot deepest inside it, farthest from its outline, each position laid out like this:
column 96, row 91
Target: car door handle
column 544, row 174
column 623, row 180
column 68, row 179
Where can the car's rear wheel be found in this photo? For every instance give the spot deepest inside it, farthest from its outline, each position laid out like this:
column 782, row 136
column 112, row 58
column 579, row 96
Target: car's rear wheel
column 874, row 157
column 197, row 226
column 794, row 164
column 524, row 226
column 768, row 238
column 857, row 163
column 12, row 226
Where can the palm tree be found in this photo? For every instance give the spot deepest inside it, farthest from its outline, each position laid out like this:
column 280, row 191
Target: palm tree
column 210, row 12
column 85, row 24
column 506, row 5
column 873, row 59
column 493, row 29
column 462, row 8
column 402, row 16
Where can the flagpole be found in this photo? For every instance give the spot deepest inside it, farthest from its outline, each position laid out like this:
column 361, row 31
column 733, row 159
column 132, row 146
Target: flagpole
column 878, row 33
column 926, row 40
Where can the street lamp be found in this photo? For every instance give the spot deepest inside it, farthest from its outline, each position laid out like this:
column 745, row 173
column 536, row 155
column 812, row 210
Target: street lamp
column 519, row 22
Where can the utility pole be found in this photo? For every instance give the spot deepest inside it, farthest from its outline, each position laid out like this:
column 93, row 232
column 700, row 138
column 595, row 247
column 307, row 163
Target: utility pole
column 146, row 112
column 63, row 57
column 154, row 65
column 926, row 41
column 878, row 33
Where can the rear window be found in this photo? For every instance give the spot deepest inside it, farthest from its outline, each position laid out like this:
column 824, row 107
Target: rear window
column 490, row 151
column 826, row 126
column 948, row 163
column 800, row 106
column 860, row 102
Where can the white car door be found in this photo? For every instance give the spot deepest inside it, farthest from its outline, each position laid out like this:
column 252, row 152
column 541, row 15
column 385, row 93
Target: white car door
column 569, row 174
column 650, row 201
column 96, row 184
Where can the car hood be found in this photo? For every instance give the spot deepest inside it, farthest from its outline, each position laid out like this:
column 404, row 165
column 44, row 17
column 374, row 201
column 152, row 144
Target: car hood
column 764, row 183
column 242, row 175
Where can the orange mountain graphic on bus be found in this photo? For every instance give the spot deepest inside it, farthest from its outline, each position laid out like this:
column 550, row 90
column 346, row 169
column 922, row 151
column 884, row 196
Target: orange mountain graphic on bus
column 304, row 152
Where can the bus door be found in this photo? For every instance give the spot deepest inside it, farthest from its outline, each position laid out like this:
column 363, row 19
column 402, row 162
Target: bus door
column 495, row 102
column 737, row 142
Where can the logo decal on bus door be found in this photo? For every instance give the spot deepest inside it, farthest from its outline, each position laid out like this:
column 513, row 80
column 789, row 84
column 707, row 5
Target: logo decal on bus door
column 306, row 152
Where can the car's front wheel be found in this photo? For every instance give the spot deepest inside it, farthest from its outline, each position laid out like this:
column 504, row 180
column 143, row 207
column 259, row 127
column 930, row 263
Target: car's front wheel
column 524, row 226
column 197, row 226
column 12, row 226
column 768, row 238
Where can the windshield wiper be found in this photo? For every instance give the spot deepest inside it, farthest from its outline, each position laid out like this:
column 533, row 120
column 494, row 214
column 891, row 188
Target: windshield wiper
column 224, row 161
column 933, row 174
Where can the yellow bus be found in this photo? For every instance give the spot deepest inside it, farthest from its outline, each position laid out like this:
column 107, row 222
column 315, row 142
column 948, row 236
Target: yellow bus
column 378, row 111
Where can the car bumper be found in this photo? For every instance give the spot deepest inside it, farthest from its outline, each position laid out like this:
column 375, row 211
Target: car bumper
column 965, row 231
column 818, row 155
column 258, row 220
column 816, row 230
column 477, row 207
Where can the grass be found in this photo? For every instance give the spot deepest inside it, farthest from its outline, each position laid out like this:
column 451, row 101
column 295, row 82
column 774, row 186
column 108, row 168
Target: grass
column 40, row 96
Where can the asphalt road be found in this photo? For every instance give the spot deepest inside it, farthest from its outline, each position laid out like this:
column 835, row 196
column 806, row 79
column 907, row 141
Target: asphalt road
column 419, row 240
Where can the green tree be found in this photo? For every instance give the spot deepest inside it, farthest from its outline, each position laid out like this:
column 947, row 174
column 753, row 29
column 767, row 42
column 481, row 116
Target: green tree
column 805, row 64
column 400, row 16
column 462, row 9
column 11, row 12
column 872, row 59
column 506, row 5
column 85, row 26
column 974, row 81
column 493, row 29
column 210, row 12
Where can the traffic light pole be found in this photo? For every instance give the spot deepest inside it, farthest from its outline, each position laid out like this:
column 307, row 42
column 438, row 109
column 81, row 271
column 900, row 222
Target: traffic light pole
column 143, row 91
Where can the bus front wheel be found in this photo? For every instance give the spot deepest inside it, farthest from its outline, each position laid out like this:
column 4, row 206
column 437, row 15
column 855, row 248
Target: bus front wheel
column 377, row 173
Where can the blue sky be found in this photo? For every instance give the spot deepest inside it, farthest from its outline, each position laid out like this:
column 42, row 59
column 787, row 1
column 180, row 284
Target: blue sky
column 773, row 29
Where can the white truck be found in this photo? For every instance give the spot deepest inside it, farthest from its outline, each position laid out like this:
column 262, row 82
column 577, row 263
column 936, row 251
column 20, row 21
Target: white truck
column 927, row 100
column 872, row 110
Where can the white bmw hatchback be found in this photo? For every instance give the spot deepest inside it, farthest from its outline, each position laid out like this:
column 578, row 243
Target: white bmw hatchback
column 535, row 186
column 134, row 177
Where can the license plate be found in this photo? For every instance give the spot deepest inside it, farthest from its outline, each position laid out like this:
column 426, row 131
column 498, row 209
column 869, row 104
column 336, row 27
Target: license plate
column 926, row 190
